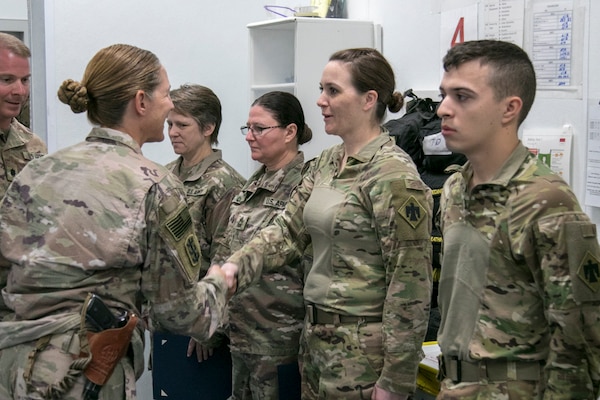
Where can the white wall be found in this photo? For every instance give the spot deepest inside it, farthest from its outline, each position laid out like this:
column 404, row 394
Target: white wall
column 13, row 9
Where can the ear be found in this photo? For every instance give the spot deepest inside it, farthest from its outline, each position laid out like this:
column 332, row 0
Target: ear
column 290, row 132
column 141, row 102
column 208, row 130
column 512, row 110
column 370, row 99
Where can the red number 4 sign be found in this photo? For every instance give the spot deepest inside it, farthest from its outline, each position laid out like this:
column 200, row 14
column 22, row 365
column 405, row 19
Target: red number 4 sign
column 459, row 33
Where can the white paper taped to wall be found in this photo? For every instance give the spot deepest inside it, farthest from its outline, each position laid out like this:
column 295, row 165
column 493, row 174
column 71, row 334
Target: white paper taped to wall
column 553, row 147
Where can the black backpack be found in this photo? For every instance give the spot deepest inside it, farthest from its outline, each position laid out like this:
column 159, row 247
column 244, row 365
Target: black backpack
column 418, row 133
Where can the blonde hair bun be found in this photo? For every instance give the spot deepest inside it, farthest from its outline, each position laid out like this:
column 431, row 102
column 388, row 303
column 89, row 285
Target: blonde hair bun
column 74, row 95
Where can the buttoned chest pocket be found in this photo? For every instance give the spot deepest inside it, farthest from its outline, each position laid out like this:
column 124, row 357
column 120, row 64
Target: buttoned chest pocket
column 14, row 163
column 246, row 222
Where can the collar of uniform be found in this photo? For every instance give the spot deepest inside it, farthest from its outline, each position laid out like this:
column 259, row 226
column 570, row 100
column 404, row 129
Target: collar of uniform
column 16, row 135
column 262, row 179
column 199, row 169
column 366, row 153
column 508, row 170
column 4, row 135
column 116, row 136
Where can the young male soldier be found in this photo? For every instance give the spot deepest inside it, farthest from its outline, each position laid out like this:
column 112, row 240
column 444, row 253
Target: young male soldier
column 519, row 290
column 18, row 144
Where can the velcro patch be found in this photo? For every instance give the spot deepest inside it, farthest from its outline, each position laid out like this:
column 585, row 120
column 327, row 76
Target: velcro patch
column 177, row 230
column 413, row 212
column 179, row 224
column 275, row 203
column 589, row 272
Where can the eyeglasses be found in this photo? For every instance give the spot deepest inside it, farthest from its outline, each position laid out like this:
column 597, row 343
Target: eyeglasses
column 257, row 130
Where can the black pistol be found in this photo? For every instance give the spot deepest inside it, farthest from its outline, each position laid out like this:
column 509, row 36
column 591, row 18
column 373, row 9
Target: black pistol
column 99, row 317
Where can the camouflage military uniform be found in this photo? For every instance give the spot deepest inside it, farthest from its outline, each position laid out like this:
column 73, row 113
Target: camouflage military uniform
column 519, row 290
column 18, row 147
column 265, row 320
column 209, row 187
column 370, row 229
column 96, row 217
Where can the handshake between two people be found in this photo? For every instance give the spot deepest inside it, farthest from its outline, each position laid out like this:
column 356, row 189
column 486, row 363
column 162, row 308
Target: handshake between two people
column 229, row 272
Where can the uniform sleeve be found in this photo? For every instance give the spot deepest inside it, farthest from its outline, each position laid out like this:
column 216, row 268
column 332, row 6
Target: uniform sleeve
column 402, row 214
column 4, row 270
column 179, row 303
column 569, row 258
column 218, row 221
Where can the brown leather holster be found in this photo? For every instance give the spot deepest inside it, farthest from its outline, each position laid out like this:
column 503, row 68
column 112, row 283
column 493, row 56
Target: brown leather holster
column 107, row 348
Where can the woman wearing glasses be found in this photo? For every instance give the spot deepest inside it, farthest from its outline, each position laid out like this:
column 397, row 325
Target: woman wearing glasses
column 265, row 321
column 366, row 212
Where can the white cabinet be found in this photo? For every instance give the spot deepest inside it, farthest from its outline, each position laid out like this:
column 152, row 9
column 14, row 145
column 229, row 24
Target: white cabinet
column 289, row 55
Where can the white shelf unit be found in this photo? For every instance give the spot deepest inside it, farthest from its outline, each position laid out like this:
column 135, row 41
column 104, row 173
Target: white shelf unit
column 289, row 54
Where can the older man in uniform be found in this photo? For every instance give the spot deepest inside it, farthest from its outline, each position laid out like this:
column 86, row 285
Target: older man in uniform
column 18, row 144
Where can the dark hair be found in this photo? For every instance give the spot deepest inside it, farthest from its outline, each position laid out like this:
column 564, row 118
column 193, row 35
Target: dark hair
column 371, row 71
column 111, row 79
column 286, row 109
column 201, row 104
column 511, row 70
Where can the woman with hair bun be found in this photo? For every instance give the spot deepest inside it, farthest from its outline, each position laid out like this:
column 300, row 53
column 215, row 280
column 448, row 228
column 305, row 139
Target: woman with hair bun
column 367, row 214
column 98, row 217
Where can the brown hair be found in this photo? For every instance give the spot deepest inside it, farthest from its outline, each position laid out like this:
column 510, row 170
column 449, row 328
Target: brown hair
column 371, row 71
column 111, row 79
column 201, row 104
column 512, row 73
column 14, row 45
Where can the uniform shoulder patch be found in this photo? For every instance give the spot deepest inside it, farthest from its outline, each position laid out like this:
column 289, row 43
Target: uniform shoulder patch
column 589, row 272
column 178, row 231
column 413, row 212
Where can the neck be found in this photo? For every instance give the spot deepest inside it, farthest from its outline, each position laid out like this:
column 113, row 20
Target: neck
column 488, row 162
column 5, row 124
column 196, row 158
column 281, row 162
column 355, row 141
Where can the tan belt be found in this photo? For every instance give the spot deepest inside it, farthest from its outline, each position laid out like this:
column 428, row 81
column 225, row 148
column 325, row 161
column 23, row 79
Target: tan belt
column 317, row 316
column 490, row 370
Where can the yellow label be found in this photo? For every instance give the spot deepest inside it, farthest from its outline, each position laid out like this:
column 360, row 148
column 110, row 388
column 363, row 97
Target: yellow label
column 322, row 5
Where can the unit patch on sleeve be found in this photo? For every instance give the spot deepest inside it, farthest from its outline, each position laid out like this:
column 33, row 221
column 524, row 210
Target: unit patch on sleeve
column 589, row 272
column 177, row 230
column 413, row 212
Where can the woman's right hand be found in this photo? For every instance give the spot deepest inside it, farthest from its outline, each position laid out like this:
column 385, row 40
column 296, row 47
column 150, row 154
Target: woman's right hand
column 230, row 270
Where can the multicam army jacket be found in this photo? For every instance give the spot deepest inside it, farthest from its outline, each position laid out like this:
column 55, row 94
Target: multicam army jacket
column 209, row 186
column 374, row 258
column 520, row 275
column 100, row 217
column 267, row 317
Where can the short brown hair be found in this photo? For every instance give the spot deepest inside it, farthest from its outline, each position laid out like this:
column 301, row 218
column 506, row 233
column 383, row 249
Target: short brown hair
column 201, row 104
column 512, row 73
column 14, row 45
